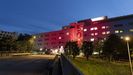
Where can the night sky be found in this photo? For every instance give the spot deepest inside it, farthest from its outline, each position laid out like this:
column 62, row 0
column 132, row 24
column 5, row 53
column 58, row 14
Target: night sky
column 34, row 16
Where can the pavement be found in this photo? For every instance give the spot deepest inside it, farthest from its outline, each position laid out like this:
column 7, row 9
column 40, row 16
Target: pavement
column 26, row 65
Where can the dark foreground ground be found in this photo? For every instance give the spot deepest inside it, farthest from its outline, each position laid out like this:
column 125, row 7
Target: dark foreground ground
column 25, row 65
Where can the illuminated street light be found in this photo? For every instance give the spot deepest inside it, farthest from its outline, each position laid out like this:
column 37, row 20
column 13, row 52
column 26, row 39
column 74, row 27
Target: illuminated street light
column 127, row 38
column 41, row 49
column 129, row 55
column 34, row 37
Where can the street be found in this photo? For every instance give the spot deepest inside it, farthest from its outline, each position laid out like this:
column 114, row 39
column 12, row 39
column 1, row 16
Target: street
column 25, row 65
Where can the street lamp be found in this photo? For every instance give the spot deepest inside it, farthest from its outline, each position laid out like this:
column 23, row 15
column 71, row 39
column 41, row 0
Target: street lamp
column 34, row 37
column 129, row 55
column 41, row 49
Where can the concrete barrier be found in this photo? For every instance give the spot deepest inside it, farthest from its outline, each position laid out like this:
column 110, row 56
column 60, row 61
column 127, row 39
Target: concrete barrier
column 63, row 66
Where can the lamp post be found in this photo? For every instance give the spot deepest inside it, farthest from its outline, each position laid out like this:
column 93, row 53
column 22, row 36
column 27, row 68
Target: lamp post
column 129, row 55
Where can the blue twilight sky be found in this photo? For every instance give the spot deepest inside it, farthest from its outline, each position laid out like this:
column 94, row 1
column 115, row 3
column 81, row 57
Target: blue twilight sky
column 33, row 16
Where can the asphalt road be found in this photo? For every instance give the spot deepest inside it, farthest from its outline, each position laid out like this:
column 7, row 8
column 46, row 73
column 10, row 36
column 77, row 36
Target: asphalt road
column 26, row 65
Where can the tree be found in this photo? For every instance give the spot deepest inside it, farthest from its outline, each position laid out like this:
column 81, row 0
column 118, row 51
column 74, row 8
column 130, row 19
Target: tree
column 6, row 44
column 114, row 47
column 67, row 49
column 23, row 42
column 71, row 48
column 98, row 45
column 87, row 49
column 75, row 49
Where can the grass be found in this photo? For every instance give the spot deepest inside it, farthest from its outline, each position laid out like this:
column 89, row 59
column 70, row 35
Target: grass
column 100, row 67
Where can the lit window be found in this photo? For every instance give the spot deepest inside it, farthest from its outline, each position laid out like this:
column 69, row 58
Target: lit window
column 92, row 29
column 107, row 26
column 121, row 31
column 95, row 28
column 59, row 37
column 104, row 38
column 78, row 39
column 92, row 39
column 122, row 37
column 96, row 33
column 67, row 33
column 85, row 30
column 116, row 31
column 131, row 30
column 92, row 34
column 103, row 33
column 108, row 32
column 103, row 27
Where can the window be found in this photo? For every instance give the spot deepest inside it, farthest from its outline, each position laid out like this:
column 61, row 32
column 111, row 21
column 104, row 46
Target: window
column 92, row 34
column 103, row 33
column 103, row 27
column 85, row 30
column 67, row 33
column 108, row 32
column 92, row 39
column 131, row 30
column 107, row 26
column 116, row 31
column 118, row 25
column 92, row 29
column 61, row 33
column 59, row 37
column 119, row 31
column 53, row 38
column 122, row 37
column 85, row 34
column 96, row 33
column 95, row 28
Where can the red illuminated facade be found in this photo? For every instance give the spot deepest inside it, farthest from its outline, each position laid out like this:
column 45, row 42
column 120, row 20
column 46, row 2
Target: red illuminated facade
column 85, row 30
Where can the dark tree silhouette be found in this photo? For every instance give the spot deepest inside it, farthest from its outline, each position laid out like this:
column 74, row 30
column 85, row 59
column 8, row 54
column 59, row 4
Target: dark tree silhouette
column 114, row 47
column 87, row 49
column 71, row 48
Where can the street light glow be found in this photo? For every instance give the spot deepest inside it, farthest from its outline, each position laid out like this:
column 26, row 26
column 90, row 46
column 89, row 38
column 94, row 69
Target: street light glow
column 127, row 38
column 41, row 49
column 34, row 37
column 129, row 54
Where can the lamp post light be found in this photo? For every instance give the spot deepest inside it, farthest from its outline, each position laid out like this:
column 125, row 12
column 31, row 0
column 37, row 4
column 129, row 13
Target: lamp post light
column 129, row 55
column 34, row 37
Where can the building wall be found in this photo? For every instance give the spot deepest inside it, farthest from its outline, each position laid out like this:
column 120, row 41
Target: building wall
column 8, row 34
column 86, row 30
column 122, row 27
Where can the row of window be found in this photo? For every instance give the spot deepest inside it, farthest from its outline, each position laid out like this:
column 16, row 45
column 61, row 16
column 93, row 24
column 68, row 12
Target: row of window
column 96, row 28
column 121, row 31
column 54, row 38
column 3, row 32
column 103, row 33
column 54, row 43
column 120, row 25
column 46, row 35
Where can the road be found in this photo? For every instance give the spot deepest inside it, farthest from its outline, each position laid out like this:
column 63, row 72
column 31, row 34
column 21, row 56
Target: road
column 25, row 65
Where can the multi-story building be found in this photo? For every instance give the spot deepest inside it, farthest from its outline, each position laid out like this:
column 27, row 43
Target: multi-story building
column 86, row 30
column 8, row 34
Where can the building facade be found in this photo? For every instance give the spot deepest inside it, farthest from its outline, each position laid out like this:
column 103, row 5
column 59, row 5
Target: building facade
column 8, row 34
column 86, row 30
